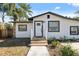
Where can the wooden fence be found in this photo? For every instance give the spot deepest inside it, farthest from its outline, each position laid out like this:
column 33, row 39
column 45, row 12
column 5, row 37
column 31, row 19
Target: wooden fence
column 4, row 33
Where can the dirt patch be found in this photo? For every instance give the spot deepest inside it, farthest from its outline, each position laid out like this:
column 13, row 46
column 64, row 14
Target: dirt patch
column 53, row 51
column 14, row 51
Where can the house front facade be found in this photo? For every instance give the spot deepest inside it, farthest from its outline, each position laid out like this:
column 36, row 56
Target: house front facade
column 48, row 25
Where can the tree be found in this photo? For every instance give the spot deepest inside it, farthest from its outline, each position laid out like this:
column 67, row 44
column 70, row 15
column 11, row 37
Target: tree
column 8, row 26
column 3, row 9
column 17, row 11
column 77, row 17
column 77, row 12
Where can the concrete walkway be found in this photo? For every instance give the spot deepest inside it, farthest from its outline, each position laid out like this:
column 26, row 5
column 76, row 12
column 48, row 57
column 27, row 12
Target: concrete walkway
column 38, row 51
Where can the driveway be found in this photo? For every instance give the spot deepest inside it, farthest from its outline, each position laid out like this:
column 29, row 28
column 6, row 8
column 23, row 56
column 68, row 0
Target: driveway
column 38, row 51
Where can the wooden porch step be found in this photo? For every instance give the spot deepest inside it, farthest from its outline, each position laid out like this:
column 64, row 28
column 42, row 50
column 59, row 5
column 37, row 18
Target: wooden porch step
column 38, row 42
column 44, row 41
column 39, row 38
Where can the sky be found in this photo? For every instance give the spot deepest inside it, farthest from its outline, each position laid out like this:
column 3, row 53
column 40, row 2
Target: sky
column 64, row 9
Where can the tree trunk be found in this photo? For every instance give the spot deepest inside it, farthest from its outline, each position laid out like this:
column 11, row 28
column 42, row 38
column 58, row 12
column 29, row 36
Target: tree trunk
column 14, row 30
column 3, row 16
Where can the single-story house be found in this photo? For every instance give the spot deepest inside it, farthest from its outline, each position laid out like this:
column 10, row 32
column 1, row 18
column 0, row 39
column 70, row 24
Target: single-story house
column 48, row 25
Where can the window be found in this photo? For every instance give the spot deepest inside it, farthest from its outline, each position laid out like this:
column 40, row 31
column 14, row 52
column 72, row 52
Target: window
column 48, row 16
column 74, row 30
column 22, row 27
column 38, row 24
column 53, row 26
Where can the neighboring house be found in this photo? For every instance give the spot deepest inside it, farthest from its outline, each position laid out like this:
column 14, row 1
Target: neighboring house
column 48, row 25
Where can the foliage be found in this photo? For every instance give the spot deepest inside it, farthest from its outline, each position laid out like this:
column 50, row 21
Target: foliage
column 3, row 10
column 55, row 43
column 77, row 18
column 67, row 51
column 8, row 26
column 19, row 10
column 16, row 10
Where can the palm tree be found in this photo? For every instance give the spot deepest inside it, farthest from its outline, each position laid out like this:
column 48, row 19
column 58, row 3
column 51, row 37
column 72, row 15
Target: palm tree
column 18, row 10
column 77, row 17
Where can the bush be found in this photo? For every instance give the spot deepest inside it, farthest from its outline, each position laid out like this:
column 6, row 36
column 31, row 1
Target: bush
column 55, row 43
column 67, row 51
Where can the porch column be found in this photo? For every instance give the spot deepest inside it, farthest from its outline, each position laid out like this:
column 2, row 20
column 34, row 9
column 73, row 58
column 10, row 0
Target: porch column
column 46, row 26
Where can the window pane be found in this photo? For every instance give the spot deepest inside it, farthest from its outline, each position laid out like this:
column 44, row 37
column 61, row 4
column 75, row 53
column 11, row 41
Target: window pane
column 74, row 30
column 22, row 27
column 53, row 26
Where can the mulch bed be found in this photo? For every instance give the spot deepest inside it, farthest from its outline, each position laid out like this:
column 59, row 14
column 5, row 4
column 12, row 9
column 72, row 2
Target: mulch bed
column 53, row 51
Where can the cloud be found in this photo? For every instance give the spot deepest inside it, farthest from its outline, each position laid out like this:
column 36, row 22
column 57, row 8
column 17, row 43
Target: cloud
column 56, row 8
column 36, row 12
column 70, row 15
column 74, row 4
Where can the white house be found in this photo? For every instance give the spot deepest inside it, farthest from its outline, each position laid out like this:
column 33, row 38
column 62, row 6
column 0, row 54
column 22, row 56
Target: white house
column 48, row 25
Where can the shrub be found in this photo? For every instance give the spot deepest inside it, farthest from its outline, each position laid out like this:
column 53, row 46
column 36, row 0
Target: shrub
column 67, row 51
column 55, row 43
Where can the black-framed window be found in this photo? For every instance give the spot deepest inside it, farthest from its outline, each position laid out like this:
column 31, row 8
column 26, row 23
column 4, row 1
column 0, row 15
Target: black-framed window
column 74, row 30
column 22, row 27
column 53, row 26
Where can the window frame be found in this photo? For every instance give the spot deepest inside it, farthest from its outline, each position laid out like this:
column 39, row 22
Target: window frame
column 77, row 30
column 22, row 25
column 58, row 26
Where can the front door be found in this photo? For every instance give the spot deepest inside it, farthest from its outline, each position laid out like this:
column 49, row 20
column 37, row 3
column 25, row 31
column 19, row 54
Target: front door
column 38, row 29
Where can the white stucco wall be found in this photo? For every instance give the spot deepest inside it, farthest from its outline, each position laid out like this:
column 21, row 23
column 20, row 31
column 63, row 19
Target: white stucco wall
column 23, row 34
column 64, row 26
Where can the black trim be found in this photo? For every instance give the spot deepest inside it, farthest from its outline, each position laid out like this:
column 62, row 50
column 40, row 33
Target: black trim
column 35, row 29
column 54, row 14
column 58, row 26
column 77, row 30
column 31, row 18
column 22, row 30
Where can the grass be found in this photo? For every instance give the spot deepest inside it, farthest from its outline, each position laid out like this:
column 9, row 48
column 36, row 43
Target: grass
column 14, row 42
column 14, row 51
column 14, row 47
column 56, row 51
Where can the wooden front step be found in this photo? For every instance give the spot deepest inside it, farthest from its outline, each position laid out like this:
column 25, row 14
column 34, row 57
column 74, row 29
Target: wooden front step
column 38, row 42
column 34, row 38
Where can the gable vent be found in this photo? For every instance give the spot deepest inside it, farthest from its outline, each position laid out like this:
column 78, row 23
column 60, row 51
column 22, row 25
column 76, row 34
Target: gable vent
column 48, row 16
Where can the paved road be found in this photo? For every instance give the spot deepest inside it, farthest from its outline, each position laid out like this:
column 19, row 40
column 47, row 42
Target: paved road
column 38, row 51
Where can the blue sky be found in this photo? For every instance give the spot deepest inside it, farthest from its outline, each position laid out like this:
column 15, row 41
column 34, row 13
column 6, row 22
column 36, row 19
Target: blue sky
column 65, row 9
